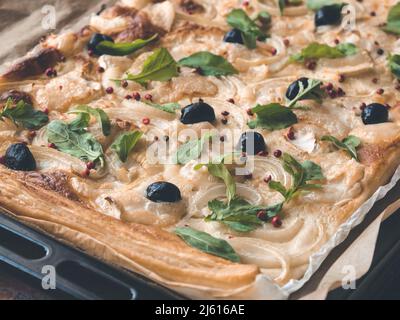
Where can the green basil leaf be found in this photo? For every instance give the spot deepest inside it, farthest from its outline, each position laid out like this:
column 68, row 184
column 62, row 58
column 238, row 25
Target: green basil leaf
column 283, row 3
column 393, row 20
column 207, row 243
column 239, row 214
column 348, row 49
column 80, row 123
column 23, row 115
column 394, row 65
column 239, row 227
column 125, row 143
column 220, row 171
column 277, row 186
column 81, row 145
column 99, row 114
column 272, row 117
column 318, row 4
column 239, row 19
column 349, row 144
column 125, row 48
column 312, row 171
column 192, row 150
column 319, row 51
column 160, row 66
column 265, row 19
column 168, row 107
column 313, row 91
column 209, row 64
column 302, row 173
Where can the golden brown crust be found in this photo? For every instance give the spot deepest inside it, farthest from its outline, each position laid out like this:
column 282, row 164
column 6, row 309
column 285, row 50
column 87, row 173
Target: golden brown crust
column 153, row 249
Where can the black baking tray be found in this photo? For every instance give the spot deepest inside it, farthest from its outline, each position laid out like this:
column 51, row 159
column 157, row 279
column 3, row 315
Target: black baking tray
column 24, row 252
column 78, row 275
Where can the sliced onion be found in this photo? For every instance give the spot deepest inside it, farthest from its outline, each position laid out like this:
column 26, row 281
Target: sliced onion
column 264, row 166
column 260, row 253
column 268, row 90
column 108, row 26
column 52, row 159
column 284, row 234
column 218, row 191
column 305, row 140
column 228, row 86
column 136, row 108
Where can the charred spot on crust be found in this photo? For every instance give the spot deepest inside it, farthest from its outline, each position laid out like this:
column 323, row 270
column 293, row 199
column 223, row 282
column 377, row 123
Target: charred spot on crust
column 16, row 96
column 52, row 181
column 34, row 65
column 139, row 28
column 191, row 6
column 369, row 154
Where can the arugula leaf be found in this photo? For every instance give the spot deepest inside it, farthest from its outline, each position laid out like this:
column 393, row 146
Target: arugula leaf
column 393, row 20
column 192, row 149
column 283, row 3
column 318, row 4
column 302, row 173
column 99, row 114
column 238, row 19
column 220, row 171
column 348, row 49
column 312, row 91
column 349, row 144
column 80, row 123
column 236, row 213
column 23, row 114
column 168, row 107
column 239, row 214
column 209, row 64
column 265, row 19
column 318, row 51
column 272, row 117
column 79, row 144
column 125, row 143
column 160, row 66
column 207, row 243
column 124, row 48
column 394, row 65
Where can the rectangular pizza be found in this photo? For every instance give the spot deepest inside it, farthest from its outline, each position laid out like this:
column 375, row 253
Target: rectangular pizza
column 207, row 145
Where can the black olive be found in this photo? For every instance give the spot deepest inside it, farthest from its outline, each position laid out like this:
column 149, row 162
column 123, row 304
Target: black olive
column 163, row 192
column 234, row 36
column 197, row 112
column 294, row 88
column 19, row 157
column 252, row 143
column 375, row 113
column 329, row 15
column 95, row 40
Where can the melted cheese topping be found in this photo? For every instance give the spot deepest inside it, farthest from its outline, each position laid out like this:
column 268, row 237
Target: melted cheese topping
column 119, row 190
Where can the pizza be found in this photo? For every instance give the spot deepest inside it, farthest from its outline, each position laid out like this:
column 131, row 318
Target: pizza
column 204, row 144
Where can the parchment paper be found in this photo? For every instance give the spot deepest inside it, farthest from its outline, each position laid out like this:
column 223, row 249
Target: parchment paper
column 20, row 30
